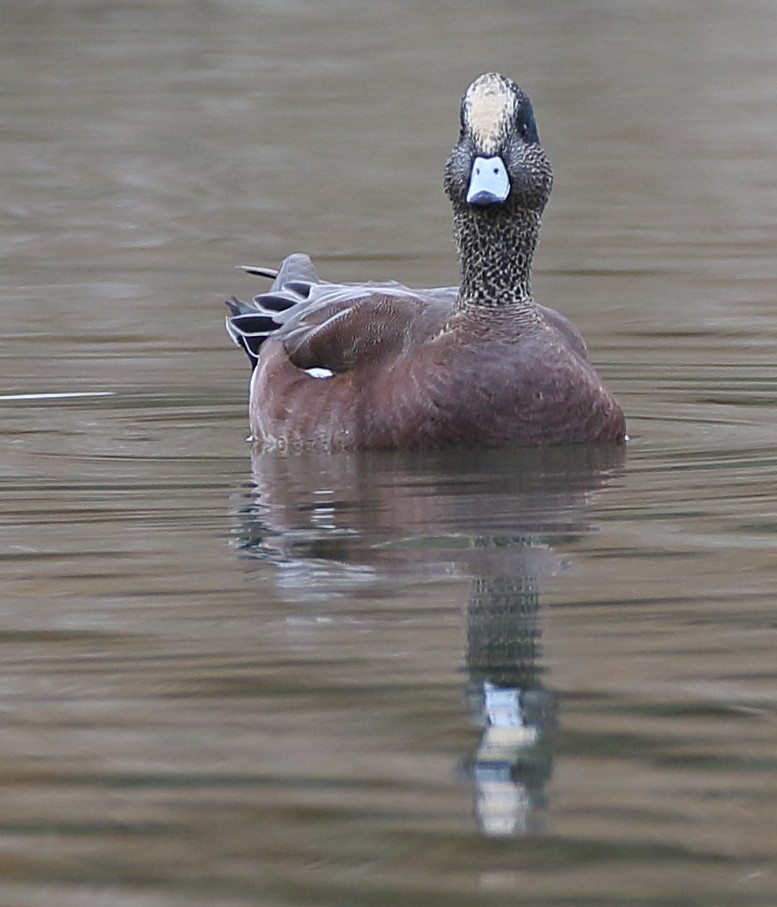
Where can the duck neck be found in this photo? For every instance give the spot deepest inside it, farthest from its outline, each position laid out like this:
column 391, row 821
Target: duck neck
column 496, row 250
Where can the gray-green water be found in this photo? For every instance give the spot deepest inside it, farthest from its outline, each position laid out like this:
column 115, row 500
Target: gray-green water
column 485, row 678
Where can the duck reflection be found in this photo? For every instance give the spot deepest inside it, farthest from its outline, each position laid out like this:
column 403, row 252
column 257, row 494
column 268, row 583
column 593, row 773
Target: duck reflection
column 507, row 697
column 333, row 522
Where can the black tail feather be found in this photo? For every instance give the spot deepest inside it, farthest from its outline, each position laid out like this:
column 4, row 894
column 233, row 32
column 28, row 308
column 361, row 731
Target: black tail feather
column 249, row 324
column 260, row 271
column 270, row 302
column 248, row 327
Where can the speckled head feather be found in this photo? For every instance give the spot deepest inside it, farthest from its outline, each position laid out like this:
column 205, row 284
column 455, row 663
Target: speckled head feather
column 489, row 109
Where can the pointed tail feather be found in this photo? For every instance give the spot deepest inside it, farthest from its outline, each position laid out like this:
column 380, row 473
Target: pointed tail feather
column 248, row 327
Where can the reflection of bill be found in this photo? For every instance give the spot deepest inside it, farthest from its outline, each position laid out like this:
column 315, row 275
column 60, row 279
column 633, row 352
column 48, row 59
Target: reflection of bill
column 503, row 805
column 338, row 523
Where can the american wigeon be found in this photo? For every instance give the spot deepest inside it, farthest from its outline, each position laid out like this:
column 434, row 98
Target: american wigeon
column 382, row 366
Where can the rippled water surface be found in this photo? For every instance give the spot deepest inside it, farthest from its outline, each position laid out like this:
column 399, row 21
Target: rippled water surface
column 474, row 678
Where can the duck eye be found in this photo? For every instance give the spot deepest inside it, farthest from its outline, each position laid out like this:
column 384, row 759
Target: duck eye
column 526, row 126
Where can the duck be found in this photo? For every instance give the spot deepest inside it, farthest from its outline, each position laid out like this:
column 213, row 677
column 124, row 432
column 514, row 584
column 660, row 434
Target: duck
column 381, row 366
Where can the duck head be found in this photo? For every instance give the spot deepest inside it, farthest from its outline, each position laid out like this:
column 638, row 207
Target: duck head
column 498, row 162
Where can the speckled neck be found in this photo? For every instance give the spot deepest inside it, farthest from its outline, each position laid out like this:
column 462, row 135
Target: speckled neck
column 496, row 249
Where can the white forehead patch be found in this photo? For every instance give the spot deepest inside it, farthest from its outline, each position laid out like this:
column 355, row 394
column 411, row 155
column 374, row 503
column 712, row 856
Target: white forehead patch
column 488, row 105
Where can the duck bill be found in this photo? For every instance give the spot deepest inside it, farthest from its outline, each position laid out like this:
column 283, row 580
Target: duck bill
column 489, row 183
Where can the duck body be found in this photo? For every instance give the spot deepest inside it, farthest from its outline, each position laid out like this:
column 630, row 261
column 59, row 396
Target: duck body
column 382, row 366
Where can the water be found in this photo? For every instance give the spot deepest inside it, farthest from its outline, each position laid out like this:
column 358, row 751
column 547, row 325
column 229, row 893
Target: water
column 464, row 678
